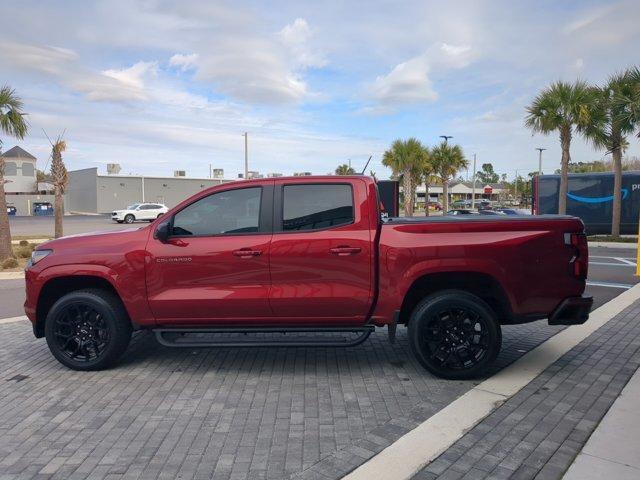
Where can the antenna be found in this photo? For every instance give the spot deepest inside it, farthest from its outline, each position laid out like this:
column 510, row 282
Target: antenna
column 366, row 165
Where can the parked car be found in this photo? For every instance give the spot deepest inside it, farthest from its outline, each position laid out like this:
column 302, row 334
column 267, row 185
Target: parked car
column 139, row 211
column 461, row 204
column 484, row 205
column 306, row 254
column 514, row 211
column 489, row 212
column 461, row 211
column 11, row 210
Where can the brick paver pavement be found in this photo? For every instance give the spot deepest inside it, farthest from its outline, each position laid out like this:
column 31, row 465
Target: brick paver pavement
column 539, row 431
column 216, row 413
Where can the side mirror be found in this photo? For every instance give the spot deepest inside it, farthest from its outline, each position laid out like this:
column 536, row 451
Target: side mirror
column 162, row 232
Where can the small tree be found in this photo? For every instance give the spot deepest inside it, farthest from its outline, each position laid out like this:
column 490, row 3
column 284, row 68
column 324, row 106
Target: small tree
column 406, row 159
column 487, row 174
column 60, row 179
column 345, row 169
column 565, row 108
column 447, row 161
column 11, row 123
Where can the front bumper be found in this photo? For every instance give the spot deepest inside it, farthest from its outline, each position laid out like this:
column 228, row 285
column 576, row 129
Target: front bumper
column 572, row 311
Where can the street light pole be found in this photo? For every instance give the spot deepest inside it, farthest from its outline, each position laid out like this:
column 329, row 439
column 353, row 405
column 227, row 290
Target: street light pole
column 473, row 188
column 446, row 138
column 540, row 150
column 246, row 156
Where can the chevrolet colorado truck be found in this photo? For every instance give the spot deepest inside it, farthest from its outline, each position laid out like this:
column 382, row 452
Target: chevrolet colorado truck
column 307, row 261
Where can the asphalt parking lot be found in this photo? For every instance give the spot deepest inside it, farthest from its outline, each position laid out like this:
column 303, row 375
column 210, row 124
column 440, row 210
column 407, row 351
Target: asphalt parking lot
column 227, row 412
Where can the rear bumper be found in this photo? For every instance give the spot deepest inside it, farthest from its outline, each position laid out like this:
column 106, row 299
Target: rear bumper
column 571, row 311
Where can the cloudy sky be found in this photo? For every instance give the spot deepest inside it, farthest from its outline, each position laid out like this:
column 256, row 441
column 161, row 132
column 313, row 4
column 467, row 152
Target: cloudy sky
column 158, row 86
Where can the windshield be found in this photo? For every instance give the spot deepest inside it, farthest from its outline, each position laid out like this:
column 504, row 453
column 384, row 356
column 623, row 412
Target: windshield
column 133, row 207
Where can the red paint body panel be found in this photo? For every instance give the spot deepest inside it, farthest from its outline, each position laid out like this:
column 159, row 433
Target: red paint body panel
column 298, row 278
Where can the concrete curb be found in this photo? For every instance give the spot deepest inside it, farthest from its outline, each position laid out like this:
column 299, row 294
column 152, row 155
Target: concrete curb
column 410, row 453
column 35, row 241
column 626, row 245
column 11, row 275
column 13, row 319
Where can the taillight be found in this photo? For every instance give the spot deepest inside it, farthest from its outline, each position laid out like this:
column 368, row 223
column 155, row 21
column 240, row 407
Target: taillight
column 580, row 260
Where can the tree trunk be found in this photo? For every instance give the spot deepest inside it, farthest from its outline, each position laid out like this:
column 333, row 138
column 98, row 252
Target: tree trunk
column 617, row 191
column 565, row 143
column 58, row 212
column 445, row 196
column 407, row 189
column 5, row 233
column 426, row 198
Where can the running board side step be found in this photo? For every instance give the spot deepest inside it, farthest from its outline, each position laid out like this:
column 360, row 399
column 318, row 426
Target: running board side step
column 237, row 337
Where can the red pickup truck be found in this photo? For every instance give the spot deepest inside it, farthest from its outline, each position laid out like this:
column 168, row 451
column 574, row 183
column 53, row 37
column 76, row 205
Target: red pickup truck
column 307, row 261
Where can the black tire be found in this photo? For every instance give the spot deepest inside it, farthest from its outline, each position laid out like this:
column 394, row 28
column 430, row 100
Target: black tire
column 129, row 218
column 454, row 335
column 88, row 329
column 120, row 221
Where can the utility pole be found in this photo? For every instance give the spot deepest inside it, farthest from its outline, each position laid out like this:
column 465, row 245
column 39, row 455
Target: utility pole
column 516, row 184
column 246, row 156
column 540, row 150
column 473, row 188
column 446, row 138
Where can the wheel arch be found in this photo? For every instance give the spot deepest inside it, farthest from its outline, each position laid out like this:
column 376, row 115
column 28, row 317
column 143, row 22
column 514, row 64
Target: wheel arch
column 483, row 285
column 56, row 287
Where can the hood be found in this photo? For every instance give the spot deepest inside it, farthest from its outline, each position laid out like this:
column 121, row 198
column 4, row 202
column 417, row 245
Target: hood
column 105, row 235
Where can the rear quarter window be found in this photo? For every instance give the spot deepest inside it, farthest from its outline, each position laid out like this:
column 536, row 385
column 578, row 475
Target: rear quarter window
column 317, row 206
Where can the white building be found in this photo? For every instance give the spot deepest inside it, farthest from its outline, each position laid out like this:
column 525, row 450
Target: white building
column 462, row 191
column 19, row 171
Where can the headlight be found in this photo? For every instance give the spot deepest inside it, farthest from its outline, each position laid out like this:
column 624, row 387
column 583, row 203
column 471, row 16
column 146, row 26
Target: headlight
column 38, row 255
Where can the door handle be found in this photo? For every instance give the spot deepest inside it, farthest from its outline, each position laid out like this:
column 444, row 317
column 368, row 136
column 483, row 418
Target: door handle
column 344, row 250
column 246, row 253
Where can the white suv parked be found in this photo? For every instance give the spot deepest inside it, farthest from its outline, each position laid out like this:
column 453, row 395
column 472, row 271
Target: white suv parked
column 139, row 211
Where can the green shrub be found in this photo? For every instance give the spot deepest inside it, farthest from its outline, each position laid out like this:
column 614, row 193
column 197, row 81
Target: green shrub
column 10, row 263
column 24, row 243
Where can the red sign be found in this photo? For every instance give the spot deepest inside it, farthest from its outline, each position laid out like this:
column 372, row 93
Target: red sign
column 488, row 190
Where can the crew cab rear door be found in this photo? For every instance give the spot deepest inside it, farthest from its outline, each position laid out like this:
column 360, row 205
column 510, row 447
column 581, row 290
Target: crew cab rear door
column 214, row 267
column 321, row 252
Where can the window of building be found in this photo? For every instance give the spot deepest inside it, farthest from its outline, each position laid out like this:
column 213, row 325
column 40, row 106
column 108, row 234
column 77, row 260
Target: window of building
column 311, row 207
column 10, row 168
column 28, row 169
column 223, row 213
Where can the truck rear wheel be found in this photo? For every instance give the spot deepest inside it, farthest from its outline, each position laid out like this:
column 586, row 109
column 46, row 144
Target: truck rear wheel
column 454, row 334
column 88, row 329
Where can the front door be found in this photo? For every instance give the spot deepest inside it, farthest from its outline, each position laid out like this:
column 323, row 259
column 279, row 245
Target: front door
column 321, row 255
column 214, row 268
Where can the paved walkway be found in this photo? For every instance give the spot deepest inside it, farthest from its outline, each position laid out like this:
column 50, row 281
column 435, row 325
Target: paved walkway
column 613, row 450
column 538, row 432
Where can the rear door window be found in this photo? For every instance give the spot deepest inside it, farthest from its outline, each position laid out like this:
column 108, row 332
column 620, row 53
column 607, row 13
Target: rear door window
column 316, row 206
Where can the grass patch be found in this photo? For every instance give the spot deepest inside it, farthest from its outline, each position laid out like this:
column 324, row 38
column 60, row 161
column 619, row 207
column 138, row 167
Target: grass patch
column 22, row 253
column 609, row 238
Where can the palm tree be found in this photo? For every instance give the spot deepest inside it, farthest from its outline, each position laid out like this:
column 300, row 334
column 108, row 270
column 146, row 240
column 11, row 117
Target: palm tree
column 429, row 176
column 11, row 123
column 447, row 160
column 565, row 108
column 60, row 179
column 345, row 169
column 611, row 133
column 627, row 103
column 406, row 159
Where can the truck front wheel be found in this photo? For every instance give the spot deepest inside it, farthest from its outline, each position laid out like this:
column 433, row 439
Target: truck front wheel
column 88, row 329
column 454, row 334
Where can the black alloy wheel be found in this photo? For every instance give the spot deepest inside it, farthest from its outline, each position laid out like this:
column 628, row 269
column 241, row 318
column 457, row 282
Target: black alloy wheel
column 88, row 329
column 454, row 334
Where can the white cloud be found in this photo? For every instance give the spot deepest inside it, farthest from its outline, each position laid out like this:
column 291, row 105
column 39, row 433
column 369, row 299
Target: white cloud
column 184, row 62
column 409, row 82
column 296, row 36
